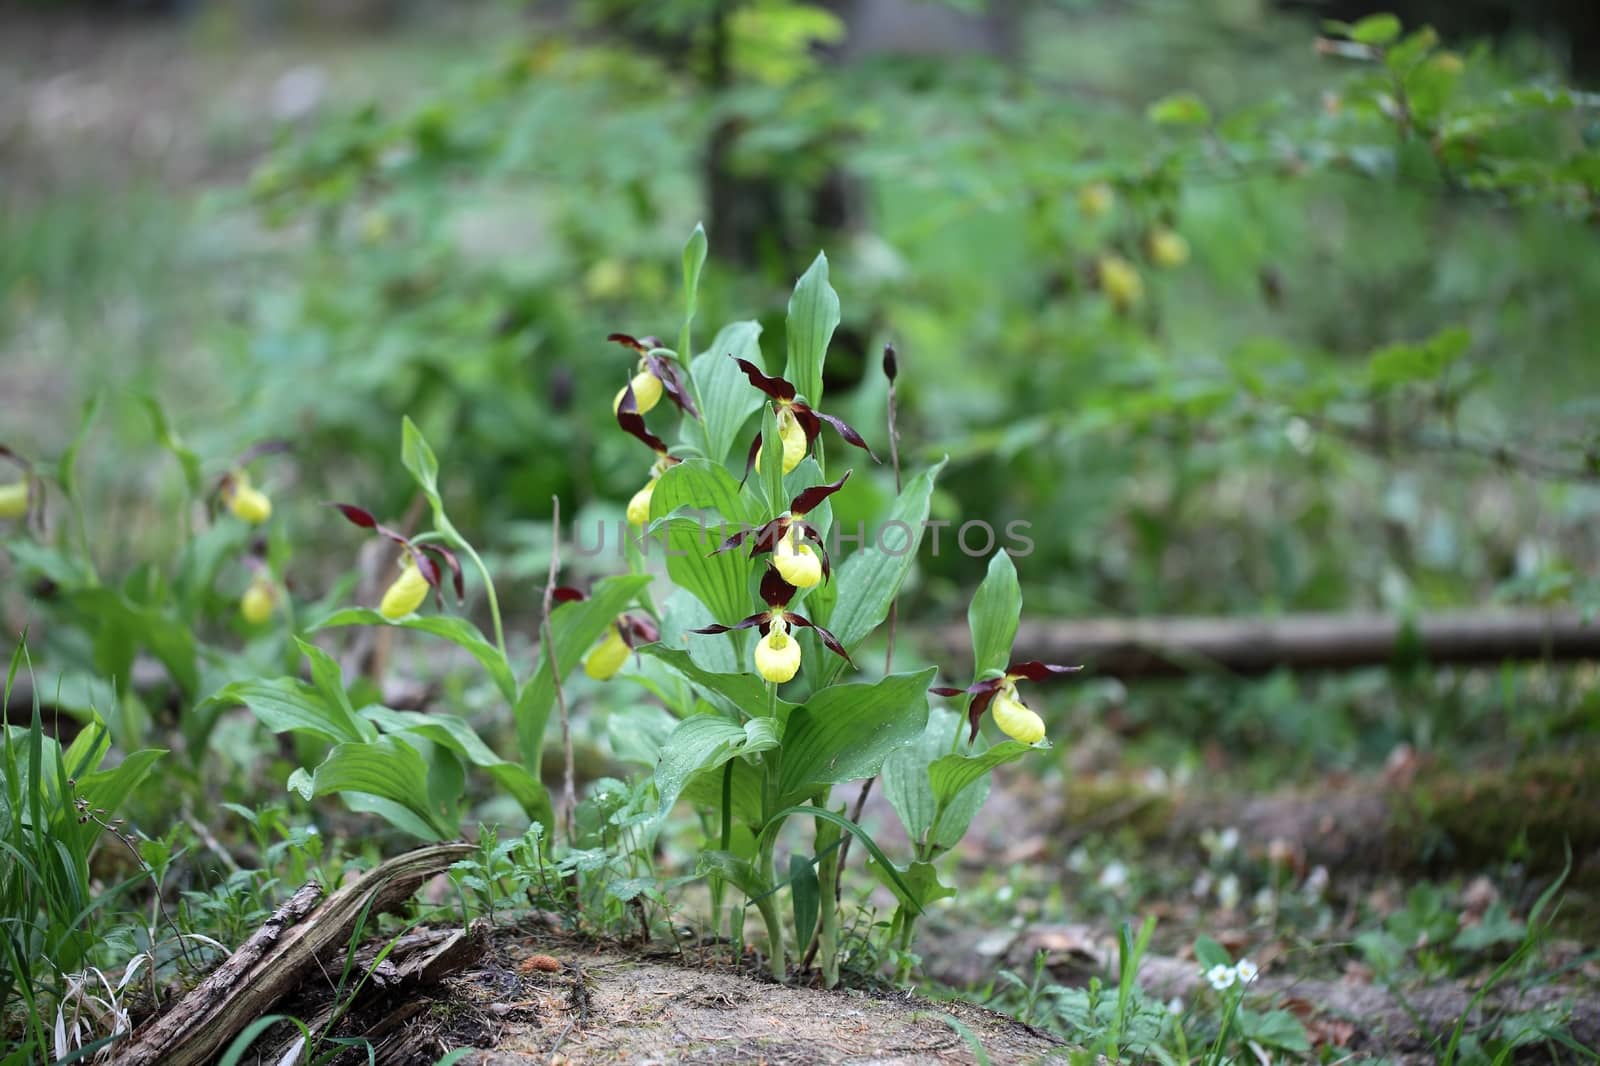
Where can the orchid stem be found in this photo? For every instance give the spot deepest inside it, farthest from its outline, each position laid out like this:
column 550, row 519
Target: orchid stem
column 569, row 791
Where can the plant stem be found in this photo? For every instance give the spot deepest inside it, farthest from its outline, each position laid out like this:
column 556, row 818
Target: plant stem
column 829, row 858
column 569, row 791
column 767, row 904
column 488, row 586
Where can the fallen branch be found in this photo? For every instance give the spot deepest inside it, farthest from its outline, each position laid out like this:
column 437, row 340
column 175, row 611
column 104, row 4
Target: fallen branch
column 271, row 963
column 1159, row 647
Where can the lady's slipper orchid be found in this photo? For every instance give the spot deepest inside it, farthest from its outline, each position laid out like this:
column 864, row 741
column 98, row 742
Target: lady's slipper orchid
column 784, row 537
column 656, row 374
column 629, row 418
column 797, row 563
column 1015, row 718
column 256, row 605
column 1120, row 281
column 419, row 568
column 247, row 503
column 777, row 654
column 623, row 635
column 405, row 593
column 14, row 499
column 23, row 498
column 1096, row 199
column 1167, row 248
column 801, row 426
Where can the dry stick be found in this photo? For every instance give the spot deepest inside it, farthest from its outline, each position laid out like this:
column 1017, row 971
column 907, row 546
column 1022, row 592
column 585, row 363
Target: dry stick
column 569, row 791
column 891, row 370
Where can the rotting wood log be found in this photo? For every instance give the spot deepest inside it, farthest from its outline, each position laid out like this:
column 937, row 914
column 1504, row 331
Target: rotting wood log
column 1167, row 647
column 270, row 964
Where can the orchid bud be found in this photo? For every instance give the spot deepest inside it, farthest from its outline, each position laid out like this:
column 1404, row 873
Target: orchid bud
column 1167, row 248
column 256, row 605
column 1121, row 282
column 607, row 656
column 1096, row 199
column 646, row 392
column 406, row 594
column 797, row 563
column 793, row 436
column 1016, row 719
column 248, row 503
column 639, row 506
column 14, row 499
column 778, row 654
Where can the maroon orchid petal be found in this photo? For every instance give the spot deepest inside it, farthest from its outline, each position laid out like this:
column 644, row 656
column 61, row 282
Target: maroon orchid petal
column 426, row 566
column 807, row 418
column 945, row 690
column 777, row 388
column 1034, row 670
column 454, row 564
column 567, row 594
column 672, row 384
column 975, row 709
column 629, row 418
column 627, row 341
column 750, row 459
column 761, row 618
column 775, row 591
column 812, row 498
column 641, row 629
column 849, row 434
column 768, row 536
column 733, row 541
column 358, row 515
column 828, row 639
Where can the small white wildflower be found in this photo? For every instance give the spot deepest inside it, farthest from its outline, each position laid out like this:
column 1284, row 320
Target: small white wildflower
column 1004, row 893
column 1316, row 883
column 1078, row 861
column 1299, row 434
column 1221, row 977
column 1229, row 891
column 1246, row 971
column 1175, row 1006
column 1113, row 877
column 1156, row 779
column 1228, row 840
column 1201, row 889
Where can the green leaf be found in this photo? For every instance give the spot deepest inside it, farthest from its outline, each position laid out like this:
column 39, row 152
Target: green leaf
column 813, row 316
column 574, row 627
column 736, row 693
column 386, row 768
column 1209, row 953
column 720, row 580
column 871, row 578
column 906, row 785
column 701, row 487
column 418, row 457
column 919, row 877
column 1179, row 109
column 168, row 438
column 457, row 631
column 694, row 259
column 949, row 774
column 896, row 885
column 993, row 615
column 1276, row 1028
column 738, row 872
column 701, row 743
column 844, row 732
column 452, row 732
column 289, row 705
column 1377, row 29
column 326, row 676
column 1402, row 364
column 806, row 894
column 727, row 399
column 67, row 465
